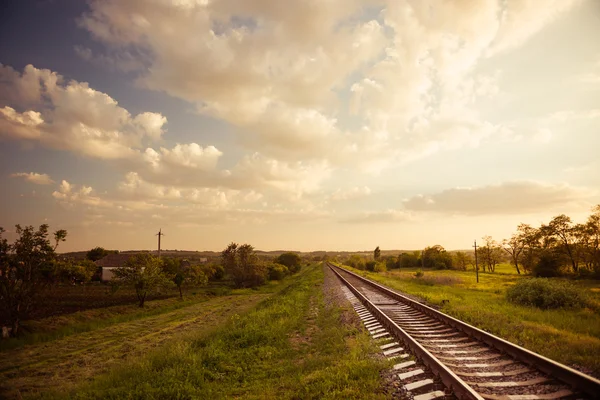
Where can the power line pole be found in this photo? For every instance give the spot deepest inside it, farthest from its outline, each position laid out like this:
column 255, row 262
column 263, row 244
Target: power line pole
column 159, row 234
column 476, row 265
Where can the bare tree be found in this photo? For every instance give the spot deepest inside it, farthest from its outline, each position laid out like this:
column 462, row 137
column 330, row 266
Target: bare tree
column 514, row 247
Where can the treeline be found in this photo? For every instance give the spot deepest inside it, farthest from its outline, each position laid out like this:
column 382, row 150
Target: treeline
column 558, row 247
column 30, row 265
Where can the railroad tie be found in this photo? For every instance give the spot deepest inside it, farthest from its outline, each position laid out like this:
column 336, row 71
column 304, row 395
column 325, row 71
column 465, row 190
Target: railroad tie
column 430, row 395
column 418, row 385
column 410, row 374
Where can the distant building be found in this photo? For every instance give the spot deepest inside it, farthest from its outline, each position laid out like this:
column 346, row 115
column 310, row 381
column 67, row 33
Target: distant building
column 203, row 259
column 110, row 263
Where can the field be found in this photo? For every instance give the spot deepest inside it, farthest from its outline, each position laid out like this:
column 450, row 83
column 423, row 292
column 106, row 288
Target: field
column 571, row 337
column 286, row 340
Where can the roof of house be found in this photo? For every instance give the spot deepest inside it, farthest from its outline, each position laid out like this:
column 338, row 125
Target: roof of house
column 113, row 260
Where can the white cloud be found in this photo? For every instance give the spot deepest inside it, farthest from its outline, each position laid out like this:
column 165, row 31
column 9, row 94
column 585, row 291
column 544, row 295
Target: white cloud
column 281, row 74
column 504, row 198
column 71, row 116
column 522, row 19
column 349, row 194
column 68, row 195
column 34, row 177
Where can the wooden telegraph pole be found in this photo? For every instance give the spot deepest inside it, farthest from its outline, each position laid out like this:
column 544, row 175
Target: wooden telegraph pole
column 159, row 234
column 476, row 265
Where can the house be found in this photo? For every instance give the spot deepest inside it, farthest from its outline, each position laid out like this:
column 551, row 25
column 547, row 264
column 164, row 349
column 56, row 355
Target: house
column 110, row 263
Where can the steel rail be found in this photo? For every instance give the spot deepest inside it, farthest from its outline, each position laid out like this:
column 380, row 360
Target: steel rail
column 577, row 380
column 452, row 381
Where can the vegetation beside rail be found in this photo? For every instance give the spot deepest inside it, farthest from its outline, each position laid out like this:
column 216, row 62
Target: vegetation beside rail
column 291, row 346
column 568, row 335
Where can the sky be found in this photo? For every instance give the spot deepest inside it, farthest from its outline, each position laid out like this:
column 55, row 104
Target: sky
column 300, row 125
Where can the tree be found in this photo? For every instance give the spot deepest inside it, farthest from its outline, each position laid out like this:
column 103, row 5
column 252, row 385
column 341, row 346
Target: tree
column 490, row 254
column 561, row 227
column 408, row 260
column 356, row 261
column 436, row 257
column 144, row 272
column 376, row 253
column 96, row 254
column 25, row 267
column 462, row 260
column 181, row 272
column 76, row 271
column 242, row 264
column 291, row 260
column 514, row 247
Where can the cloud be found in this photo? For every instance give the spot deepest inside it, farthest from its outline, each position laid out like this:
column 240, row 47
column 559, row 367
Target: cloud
column 386, row 216
column 71, row 116
column 69, row 195
column 283, row 75
column 504, row 198
column 522, row 19
column 349, row 194
column 34, row 177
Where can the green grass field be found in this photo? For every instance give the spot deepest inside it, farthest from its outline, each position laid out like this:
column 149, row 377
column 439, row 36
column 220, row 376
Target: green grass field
column 571, row 336
column 285, row 340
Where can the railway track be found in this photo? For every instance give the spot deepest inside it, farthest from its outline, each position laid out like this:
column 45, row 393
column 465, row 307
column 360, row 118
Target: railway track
column 468, row 362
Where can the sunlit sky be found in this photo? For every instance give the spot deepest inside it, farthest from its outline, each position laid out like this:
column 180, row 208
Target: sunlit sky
column 304, row 125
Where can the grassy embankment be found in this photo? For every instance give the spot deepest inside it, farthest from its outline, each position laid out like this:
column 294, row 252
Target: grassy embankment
column 570, row 336
column 96, row 315
column 292, row 345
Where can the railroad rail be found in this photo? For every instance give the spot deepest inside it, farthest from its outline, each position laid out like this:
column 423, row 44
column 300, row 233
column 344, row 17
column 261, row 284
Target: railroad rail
column 471, row 363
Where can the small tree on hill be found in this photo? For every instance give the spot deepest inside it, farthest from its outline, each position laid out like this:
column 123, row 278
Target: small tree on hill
column 96, row 253
column 376, row 253
column 142, row 271
column 244, row 267
column 181, row 272
column 25, row 267
column 291, row 260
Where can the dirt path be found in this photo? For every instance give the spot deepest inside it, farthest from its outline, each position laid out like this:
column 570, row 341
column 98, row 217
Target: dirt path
column 62, row 363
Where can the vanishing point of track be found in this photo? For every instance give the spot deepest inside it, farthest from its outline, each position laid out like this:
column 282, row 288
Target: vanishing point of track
column 464, row 361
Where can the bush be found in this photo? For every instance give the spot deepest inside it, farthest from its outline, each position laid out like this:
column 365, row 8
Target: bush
column 276, row 272
column 545, row 293
column 419, row 274
column 291, row 261
column 370, row 265
column 380, row 267
column 548, row 265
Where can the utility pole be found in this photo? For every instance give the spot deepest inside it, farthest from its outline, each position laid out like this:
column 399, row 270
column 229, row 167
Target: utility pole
column 159, row 234
column 476, row 265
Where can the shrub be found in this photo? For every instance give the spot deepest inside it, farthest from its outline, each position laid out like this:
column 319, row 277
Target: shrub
column 276, row 272
column 291, row 261
column 548, row 265
column 370, row 265
column 380, row 267
column 545, row 293
column 419, row 274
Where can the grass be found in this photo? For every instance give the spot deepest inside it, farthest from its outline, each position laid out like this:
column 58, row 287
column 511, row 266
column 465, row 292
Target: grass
column 60, row 326
column 291, row 346
column 570, row 336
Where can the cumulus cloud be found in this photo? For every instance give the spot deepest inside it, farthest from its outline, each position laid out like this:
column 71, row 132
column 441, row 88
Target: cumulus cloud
column 282, row 74
column 504, row 198
column 70, row 195
column 34, row 177
column 71, row 116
